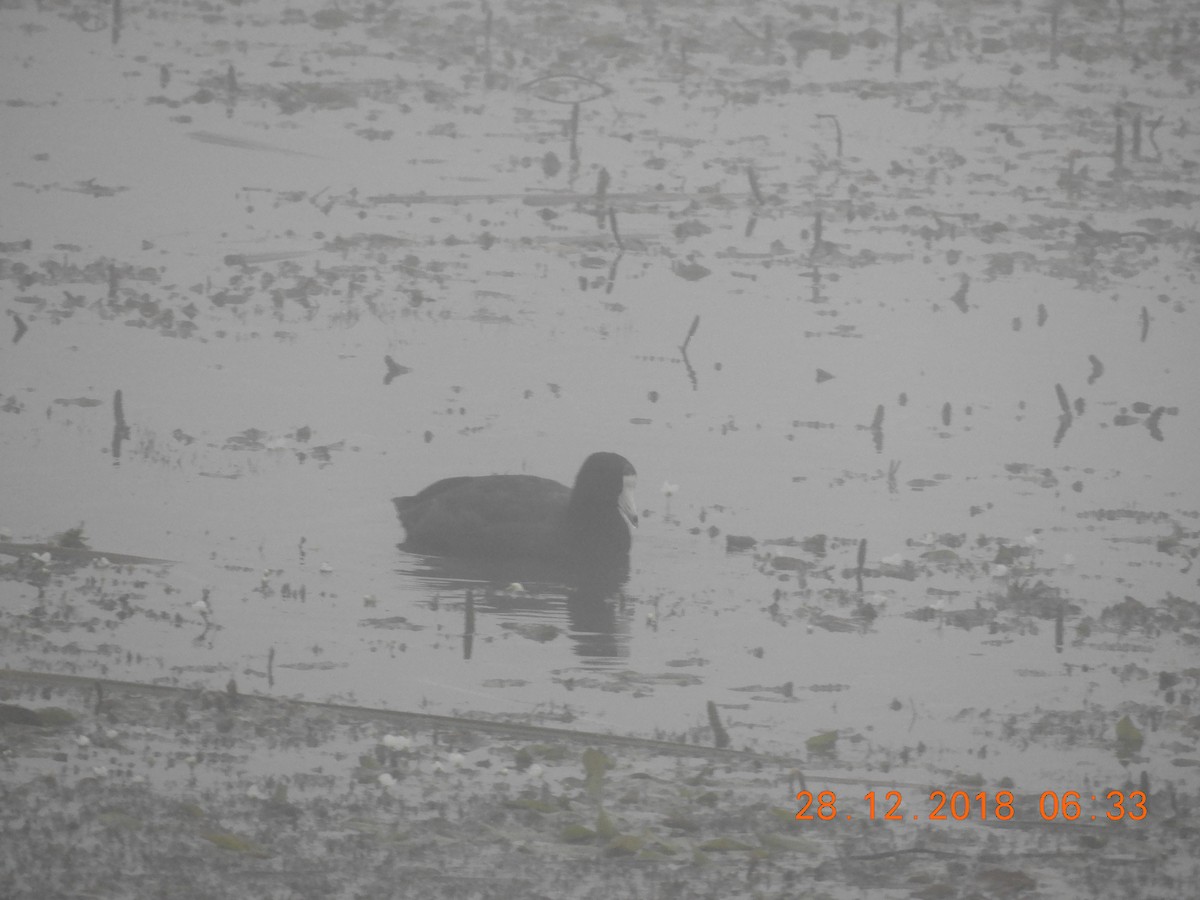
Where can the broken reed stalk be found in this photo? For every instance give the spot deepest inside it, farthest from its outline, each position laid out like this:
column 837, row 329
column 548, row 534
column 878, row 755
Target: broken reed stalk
column 837, row 127
column 899, row 37
column 1136, row 142
column 720, row 735
column 816, row 244
column 753, row 176
column 862, row 559
column 113, row 282
column 612, row 223
column 116, row 21
column 691, row 331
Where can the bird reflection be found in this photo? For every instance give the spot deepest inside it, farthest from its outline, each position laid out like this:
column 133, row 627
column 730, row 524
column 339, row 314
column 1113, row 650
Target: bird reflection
column 598, row 610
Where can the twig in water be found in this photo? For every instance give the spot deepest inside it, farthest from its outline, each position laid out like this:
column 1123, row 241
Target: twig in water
column 763, row 38
column 753, row 176
column 612, row 223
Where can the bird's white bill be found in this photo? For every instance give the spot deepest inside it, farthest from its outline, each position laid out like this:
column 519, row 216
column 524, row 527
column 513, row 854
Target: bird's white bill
column 626, row 503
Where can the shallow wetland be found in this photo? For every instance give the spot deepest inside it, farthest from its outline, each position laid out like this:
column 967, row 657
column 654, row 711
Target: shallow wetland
column 892, row 306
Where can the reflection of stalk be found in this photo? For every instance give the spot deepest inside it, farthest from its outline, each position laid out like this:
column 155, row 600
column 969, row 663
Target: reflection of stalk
column 899, row 36
column 862, row 558
column 231, row 91
column 612, row 273
column 1055, row 9
column 720, row 735
column 469, row 626
column 487, row 44
column 574, row 131
column 683, row 350
column 753, row 176
column 116, row 21
column 572, row 90
column 612, row 222
column 1119, row 144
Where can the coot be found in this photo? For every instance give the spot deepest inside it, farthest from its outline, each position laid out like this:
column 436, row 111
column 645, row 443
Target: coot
column 526, row 517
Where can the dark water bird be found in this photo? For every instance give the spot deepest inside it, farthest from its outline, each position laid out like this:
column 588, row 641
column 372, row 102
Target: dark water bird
column 509, row 517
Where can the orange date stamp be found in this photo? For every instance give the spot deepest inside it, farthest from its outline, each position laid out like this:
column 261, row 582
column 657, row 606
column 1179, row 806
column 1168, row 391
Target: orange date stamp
column 981, row 806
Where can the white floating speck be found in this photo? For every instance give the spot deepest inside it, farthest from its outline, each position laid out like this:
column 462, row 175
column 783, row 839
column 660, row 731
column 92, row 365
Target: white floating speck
column 102, row 562
column 1031, row 540
column 998, row 570
column 83, row 741
column 100, row 771
column 536, row 771
column 43, row 558
column 1068, row 559
column 397, row 741
column 670, row 489
column 387, row 780
column 457, row 760
column 326, row 568
column 896, row 559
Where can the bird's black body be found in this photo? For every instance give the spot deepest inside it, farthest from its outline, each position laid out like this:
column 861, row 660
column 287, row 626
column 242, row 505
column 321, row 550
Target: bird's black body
column 508, row 517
